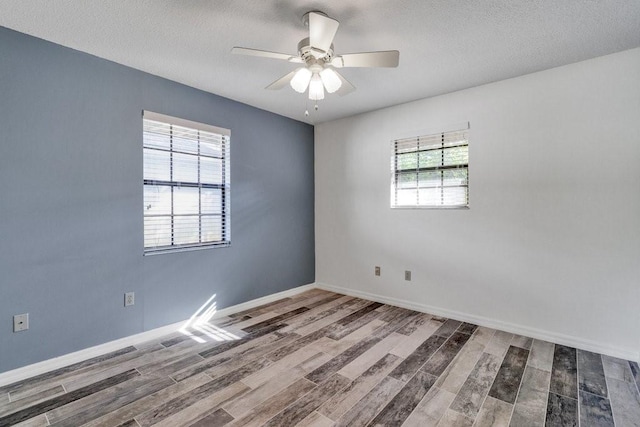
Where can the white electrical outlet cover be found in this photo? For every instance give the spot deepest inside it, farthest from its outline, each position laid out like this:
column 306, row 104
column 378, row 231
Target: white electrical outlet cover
column 129, row 299
column 20, row 322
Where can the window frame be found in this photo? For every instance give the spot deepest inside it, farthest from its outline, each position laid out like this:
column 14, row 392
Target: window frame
column 428, row 135
column 224, row 211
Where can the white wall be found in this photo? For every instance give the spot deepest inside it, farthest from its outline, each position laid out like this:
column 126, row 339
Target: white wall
column 550, row 246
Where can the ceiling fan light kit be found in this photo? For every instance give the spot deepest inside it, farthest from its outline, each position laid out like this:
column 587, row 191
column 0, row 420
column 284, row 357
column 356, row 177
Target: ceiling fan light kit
column 316, row 53
column 300, row 80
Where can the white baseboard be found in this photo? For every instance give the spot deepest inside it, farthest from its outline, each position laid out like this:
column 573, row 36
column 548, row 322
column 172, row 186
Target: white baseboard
column 583, row 344
column 25, row 372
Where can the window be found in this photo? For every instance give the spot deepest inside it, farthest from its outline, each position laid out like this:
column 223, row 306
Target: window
column 431, row 171
column 186, row 184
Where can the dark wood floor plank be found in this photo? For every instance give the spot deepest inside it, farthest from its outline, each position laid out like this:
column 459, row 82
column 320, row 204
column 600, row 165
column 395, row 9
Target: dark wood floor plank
column 507, row 382
column 176, row 404
column 448, row 328
column 321, row 313
column 635, row 371
column 218, row 418
column 12, row 388
column 250, row 355
column 403, row 403
column 369, row 406
column 467, row 328
column 180, row 337
column 439, row 361
column 342, row 401
column 562, row 411
column 267, row 306
column 405, row 370
column 358, row 313
column 10, row 407
column 275, row 320
column 98, row 404
column 324, row 301
column 270, row 407
column 595, row 410
column 476, row 387
column 290, row 348
column 328, row 369
column 223, row 357
column 59, row 401
column 228, row 345
column 591, row 373
column 201, row 408
column 308, row 403
column 349, row 328
column 564, row 372
column 413, row 325
column 128, row 412
column 395, row 320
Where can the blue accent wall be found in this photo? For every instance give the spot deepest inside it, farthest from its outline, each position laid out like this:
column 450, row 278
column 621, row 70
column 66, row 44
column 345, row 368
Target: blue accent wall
column 71, row 206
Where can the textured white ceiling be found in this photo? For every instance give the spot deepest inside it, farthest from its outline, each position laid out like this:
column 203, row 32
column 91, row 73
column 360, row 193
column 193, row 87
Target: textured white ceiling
column 444, row 45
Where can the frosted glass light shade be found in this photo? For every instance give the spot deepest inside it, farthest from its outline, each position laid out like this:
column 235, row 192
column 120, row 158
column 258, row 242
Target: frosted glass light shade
column 316, row 89
column 330, row 79
column 300, row 80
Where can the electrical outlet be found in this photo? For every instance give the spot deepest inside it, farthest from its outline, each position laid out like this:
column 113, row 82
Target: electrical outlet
column 407, row 275
column 377, row 271
column 129, row 299
column 20, row 322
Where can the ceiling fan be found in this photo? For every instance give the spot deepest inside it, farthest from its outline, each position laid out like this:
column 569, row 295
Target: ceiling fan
column 316, row 53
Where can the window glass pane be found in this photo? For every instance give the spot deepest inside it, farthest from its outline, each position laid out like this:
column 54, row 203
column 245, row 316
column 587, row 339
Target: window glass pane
column 456, row 156
column 430, row 159
column 407, row 180
column 211, row 146
column 185, row 168
column 455, row 196
column 186, row 230
column 211, row 200
column 157, row 200
column 430, row 197
column 406, row 161
column 157, row 165
column 210, row 171
column 406, row 197
column 211, row 228
column 156, row 134
column 184, row 139
column 186, row 200
column 455, row 177
column 430, row 178
column 157, row 231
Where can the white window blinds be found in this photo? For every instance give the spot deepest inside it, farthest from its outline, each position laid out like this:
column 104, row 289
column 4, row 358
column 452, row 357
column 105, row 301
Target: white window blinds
column 430, row 171
column 186, row 184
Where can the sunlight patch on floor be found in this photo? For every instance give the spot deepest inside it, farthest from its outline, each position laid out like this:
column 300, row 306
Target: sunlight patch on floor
column 199, row 322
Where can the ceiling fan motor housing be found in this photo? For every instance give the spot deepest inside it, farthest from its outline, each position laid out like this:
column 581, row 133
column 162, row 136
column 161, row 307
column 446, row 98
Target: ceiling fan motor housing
column 308, row 53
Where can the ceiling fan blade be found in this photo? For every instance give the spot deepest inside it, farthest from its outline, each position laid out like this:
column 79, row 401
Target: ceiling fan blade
column 282, row 81
column 322, row 30
column 346, row 87
column 387, row 58
column 263, row 53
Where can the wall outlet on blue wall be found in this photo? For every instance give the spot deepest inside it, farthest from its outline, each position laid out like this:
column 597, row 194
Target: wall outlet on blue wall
column 129, row 299
column 20, row 322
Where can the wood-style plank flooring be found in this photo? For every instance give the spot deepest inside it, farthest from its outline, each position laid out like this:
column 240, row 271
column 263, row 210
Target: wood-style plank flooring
column 324, row 359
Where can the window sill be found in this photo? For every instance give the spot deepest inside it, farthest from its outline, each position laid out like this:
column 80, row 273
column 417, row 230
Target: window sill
column 462, row 208
column 185, row 249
